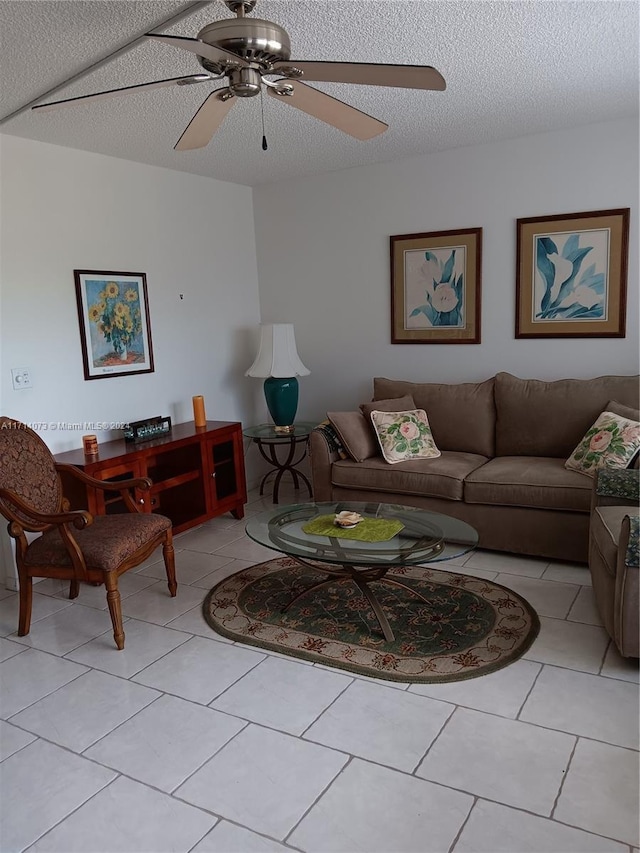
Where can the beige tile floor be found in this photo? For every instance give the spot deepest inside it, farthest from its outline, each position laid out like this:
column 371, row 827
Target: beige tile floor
column 186, row 741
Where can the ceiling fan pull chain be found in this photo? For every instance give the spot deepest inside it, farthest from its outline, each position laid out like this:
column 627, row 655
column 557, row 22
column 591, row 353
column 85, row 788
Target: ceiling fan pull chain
column 264, row 138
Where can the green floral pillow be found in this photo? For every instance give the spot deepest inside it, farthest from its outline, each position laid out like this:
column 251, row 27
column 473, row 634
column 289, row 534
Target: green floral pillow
column 404, row 435
column 611, row 442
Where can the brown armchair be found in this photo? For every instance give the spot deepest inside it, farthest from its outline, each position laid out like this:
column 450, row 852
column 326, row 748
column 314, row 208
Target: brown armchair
column 73, row 545
column 614, row 545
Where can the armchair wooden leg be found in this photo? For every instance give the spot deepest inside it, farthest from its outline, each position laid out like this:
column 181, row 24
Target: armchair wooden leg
column 115, row 609
column 26, row 599
column 74, row 589
column 170, row 563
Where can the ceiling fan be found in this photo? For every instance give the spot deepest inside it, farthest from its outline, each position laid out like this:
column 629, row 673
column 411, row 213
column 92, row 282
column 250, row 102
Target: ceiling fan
column 248, row 51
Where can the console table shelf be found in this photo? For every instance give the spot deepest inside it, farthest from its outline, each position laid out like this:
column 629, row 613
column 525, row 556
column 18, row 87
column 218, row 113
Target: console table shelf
column 197, row 474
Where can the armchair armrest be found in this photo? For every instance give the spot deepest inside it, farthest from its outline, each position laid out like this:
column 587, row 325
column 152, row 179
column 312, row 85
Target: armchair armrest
column 34, row 521
column 616, row 487
column 122, row 486
column 142, row 483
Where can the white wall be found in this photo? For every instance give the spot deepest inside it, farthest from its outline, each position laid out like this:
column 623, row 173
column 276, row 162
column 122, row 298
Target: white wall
column 64, row 209
column 323, row 260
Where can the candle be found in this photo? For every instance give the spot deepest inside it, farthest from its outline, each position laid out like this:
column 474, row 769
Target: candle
column 90, row 445
column 199, row 416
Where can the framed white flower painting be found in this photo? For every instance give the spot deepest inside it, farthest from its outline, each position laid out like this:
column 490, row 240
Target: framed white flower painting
column 571, row 275
column 435, row 287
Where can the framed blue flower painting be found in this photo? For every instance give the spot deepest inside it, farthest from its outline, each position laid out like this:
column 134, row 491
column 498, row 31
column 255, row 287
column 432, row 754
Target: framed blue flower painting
column 115, row 331
column 435, row 287
column 571, row 275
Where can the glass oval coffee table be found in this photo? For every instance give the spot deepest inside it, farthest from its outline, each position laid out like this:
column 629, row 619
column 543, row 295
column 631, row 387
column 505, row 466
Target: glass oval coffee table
column 410, row 537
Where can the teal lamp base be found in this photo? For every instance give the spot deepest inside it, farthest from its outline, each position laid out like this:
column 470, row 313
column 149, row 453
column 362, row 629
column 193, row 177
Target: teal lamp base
column 282, row 399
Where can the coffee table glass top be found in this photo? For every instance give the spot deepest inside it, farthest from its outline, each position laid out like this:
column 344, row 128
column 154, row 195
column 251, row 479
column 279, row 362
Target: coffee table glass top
column 425, row 537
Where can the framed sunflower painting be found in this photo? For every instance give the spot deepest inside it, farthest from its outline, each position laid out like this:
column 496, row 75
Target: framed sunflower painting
column 115, row 331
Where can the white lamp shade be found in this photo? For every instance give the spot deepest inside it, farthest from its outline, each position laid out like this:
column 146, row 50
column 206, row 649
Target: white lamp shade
column 277, row 356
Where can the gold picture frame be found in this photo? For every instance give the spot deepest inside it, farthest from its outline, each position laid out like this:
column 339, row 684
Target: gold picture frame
column 571, row 275
column 435, row 287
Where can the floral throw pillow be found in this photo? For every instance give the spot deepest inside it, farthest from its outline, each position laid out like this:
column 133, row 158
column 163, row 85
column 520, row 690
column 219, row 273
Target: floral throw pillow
column 611, row 442
column 404, row 435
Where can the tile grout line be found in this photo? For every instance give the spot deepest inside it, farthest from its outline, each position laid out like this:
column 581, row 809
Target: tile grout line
column 74, row 810
column 428, row 749
column 462, row 826
column 530, row 691
column 347, row 763
column 604, row 657
column 303, row 733
column 564, row 779
column 255, row 831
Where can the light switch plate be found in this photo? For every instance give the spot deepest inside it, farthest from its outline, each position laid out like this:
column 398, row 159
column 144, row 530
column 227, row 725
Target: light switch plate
column 21, row 378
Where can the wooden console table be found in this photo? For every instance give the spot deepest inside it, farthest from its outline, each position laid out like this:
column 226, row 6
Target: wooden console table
column 197, row 474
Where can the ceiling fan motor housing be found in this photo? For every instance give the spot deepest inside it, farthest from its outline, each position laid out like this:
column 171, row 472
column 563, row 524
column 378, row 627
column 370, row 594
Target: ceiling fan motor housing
column 252, row 39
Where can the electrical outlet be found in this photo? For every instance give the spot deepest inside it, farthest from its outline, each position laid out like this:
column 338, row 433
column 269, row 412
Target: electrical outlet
column 21, row 378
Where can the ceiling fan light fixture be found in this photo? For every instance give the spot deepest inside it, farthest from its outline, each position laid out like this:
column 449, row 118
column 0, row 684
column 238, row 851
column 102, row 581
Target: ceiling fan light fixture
column 245, row 82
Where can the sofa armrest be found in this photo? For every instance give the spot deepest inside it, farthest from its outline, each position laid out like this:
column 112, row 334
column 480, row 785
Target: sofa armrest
column 627, row 589
column 629, row 549
column 324, row 450
column 619, row 487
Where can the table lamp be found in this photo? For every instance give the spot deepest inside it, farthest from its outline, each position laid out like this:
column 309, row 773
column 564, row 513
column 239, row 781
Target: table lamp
column 278, row 363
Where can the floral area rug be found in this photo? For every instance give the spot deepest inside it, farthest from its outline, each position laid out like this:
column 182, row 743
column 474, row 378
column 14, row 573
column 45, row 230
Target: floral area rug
column 470, row 627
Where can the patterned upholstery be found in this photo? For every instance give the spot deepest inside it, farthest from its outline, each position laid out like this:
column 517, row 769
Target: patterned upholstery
column 105, row 544
column 632, row 555
column 98, row 552
column 333, row 441
column 619, row 483
column 27, row 467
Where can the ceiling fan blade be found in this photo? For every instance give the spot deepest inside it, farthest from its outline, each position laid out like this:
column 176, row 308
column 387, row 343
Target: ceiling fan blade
column 206, row 121
column 330, row 110
column 368, row 74
column 201, row 48
column 109, row 93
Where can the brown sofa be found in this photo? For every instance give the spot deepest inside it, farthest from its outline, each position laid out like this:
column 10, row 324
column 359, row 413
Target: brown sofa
column 503, row 446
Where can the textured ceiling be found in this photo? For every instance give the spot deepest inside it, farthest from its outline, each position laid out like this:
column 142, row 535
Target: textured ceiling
column 512, row 68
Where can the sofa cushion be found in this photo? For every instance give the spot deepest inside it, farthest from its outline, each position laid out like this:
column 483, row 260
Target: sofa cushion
column 624, row 411
column 442, row 477
column 394, row 404
column 606, row 522
column 536, row 418
column 611, row 442
column 355, row 434
column 404, row 435
column 462, row 416
column 529, row 482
